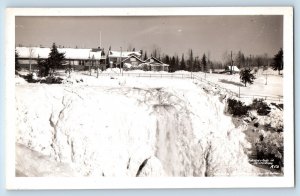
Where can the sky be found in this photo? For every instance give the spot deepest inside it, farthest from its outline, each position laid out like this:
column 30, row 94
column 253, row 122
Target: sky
column 212, row 35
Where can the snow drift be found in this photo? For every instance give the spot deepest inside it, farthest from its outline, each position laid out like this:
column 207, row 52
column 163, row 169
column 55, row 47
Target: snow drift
column 128, row 130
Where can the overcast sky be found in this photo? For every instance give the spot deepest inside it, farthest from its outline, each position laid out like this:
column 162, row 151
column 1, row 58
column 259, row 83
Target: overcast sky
column 173, row 34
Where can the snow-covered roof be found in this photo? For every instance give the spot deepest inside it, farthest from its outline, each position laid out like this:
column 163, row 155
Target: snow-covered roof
column 133, row 56
column 157, row 64
column 70, row 53
column 155, row 60
column 125, row 54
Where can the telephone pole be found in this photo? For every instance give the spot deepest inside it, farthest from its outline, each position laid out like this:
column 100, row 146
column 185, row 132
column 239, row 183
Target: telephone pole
column 121, row 60
column 100, row 44
column 231, row 62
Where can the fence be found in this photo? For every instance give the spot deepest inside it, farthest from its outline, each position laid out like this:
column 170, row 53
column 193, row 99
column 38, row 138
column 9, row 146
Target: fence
column 150, row 75
column 201, row 79
column 239, row 95
column 270, row 98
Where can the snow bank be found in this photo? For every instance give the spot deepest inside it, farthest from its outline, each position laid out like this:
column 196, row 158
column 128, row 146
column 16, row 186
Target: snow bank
column 20, row 80
column 129, row 127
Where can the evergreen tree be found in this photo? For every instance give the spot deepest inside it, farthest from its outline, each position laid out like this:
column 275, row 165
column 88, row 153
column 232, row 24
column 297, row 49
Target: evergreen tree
column 204, row 63
column 176, row 64
column 17, row 64
column 197, row 66
column 240, row 60
column 190, row 61
column 142, row 53
column 172, row 67
column 182, row 63
column 167, row 59
column 55, row 59
column 43, row 67
column 145, row 56
column 277, row 63
column 259, row 61
column 246, row 76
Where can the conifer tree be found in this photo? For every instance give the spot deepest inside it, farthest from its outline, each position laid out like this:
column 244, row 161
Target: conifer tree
column 246, row 76
column 204, row 63
column 277, row 63
column 182, row 63
column 145, row 56
column 55, row 59
column 17, row 64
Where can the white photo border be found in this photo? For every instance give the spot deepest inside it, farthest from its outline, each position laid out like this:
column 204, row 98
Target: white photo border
column 287, row 180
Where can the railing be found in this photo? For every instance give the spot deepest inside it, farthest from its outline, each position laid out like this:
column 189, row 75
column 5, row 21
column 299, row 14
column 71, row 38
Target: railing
column 201, row 79
column 238, row 95
column 150, row 75
column 270, row 98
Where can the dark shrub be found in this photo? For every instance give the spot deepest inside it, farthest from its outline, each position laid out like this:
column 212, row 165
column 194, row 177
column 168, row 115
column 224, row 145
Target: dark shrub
column 52, row 80
column 261, row 107
column 256, row 124
column 237, row 108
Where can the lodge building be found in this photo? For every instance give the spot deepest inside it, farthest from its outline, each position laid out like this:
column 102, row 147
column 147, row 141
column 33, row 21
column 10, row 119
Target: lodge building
column 80, row 58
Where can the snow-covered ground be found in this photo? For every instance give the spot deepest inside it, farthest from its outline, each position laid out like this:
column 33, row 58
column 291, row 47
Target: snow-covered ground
column 263, row 85
column 267, row 85
column 126, row 126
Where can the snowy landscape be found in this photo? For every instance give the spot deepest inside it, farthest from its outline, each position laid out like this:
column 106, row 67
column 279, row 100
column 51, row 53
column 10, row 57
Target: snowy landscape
column 164, row 98
column 137, row 126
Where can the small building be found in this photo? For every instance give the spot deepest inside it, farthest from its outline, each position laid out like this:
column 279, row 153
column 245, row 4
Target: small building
column 153, row 64
column 234, row 69
column 132, row 62
column 115, row 57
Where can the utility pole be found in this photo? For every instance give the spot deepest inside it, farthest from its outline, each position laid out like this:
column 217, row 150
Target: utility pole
column 249, row 62
column 100, row 44
column 192, row 71
column 90, row 66
column 231, row 62
column 121, row 60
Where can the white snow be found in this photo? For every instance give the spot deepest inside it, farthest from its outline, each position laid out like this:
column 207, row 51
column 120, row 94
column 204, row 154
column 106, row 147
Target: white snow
column 111, row 126
column 263, row 86
column 124, row 54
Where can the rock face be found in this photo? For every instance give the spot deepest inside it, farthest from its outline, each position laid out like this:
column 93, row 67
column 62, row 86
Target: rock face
column 101, row 131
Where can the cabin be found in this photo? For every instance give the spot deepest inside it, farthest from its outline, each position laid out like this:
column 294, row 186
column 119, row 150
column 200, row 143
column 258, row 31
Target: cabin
column 76, row 57
column 154, row 64
column 115, row 57
column 132, row 62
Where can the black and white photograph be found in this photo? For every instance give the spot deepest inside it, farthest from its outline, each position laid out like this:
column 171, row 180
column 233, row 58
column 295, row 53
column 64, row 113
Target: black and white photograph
column 152, row 94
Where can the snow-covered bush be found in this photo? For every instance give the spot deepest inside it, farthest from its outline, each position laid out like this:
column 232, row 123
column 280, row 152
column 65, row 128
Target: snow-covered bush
column 237, row 108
